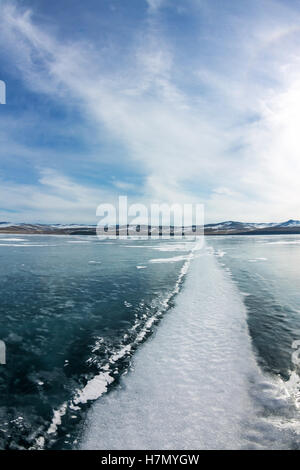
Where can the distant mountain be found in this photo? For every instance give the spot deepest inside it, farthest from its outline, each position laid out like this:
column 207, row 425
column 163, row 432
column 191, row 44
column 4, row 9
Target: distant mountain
column 244, row 228
column 48, row 229
column 233, row 226
column 223, row 228
column 291, row 223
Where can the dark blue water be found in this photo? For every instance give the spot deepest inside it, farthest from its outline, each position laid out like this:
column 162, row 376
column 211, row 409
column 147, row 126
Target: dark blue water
column 72, row 309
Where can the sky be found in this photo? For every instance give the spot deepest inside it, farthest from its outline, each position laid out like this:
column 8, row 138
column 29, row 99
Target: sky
column 171, row 101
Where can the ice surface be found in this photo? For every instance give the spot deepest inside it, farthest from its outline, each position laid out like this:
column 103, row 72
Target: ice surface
column 174, row 259
column 195, row 384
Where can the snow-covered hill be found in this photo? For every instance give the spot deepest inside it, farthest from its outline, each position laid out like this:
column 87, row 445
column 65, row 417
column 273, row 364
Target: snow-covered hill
column 223, row 228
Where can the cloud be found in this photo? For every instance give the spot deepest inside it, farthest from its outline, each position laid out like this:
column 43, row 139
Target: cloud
column 224, row 133
column 56, row 198
column 147, row 113
column 154, row 5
